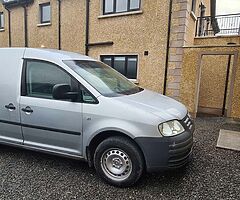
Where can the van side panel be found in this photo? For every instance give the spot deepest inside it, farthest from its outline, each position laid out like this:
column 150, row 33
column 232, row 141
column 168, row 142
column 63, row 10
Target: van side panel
column 10, row 82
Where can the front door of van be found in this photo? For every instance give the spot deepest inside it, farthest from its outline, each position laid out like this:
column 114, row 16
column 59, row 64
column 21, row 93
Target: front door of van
column 53, row 125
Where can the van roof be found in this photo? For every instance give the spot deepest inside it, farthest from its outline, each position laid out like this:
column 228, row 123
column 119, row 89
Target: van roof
column 46, row 53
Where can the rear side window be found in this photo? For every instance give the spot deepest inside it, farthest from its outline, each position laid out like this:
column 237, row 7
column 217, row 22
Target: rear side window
column 41, row 77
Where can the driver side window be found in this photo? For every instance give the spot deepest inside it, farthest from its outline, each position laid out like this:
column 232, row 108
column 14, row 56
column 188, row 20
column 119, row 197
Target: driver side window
column 42, row 76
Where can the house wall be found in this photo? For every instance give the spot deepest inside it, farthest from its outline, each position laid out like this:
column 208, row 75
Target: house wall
column 131, row 33
column 46, row 36
column 219, row 40
column 134, row 34
column 17, row 28
column 182, row 34
column 73, row 25
column 212, row 81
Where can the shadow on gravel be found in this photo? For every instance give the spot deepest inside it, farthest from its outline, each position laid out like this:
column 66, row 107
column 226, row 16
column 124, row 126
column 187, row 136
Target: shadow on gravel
column 31, row 157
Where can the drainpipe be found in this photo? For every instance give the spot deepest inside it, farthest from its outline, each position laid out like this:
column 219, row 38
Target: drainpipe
column 59, row 25
column 168, row 47
column 25, row 26
column 9, row 27
column 87, row 27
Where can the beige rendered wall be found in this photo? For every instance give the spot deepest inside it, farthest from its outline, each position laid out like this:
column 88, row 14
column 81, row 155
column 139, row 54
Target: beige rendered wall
column 220, row 40
column 134, row 34
column 17, row 27
column 73, row 25
column 212, row 81
column 189, row 90
column 42, row 35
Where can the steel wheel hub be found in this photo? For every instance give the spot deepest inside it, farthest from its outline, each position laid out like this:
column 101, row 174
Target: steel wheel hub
column 116, row 164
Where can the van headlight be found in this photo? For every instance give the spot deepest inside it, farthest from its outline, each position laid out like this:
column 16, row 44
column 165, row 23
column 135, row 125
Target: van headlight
column 171, row 128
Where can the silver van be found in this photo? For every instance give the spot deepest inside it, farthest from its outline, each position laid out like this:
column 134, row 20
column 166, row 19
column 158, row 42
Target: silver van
column 71, row 105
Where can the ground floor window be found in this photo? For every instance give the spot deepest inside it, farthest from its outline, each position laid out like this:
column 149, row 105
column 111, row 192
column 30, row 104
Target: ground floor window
column 125, row 64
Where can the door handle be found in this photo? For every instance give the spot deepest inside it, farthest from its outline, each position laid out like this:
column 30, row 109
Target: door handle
column 27, row 110
column 10, row 107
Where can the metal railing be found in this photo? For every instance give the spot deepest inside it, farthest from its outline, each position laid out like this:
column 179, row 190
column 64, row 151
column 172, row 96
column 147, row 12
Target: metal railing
column 218, row 25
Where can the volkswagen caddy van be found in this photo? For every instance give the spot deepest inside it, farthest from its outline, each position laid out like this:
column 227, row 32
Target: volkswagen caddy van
column 71, row 105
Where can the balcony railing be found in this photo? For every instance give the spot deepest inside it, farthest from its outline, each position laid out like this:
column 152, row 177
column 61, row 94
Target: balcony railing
column 218, row 25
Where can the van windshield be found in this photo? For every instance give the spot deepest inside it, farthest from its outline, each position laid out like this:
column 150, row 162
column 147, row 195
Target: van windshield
column 103, row 78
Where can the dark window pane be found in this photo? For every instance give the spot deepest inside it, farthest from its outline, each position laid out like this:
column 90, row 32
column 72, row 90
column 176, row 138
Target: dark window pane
column 107, row 61
column 132, row 68
column 128, row 69
column 108, row 6
column 134, row 4
column 119, row 64
column 42, row 77
column 121, row 5
column 1, row 20
column 46, row 13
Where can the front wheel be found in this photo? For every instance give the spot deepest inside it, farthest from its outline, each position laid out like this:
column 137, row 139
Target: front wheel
column 119, row 161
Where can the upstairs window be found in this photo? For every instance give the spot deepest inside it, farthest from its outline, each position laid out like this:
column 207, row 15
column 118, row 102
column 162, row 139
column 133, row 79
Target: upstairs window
column 120, row 6
column 45, row 13
column 126, row 65
column 1, row 20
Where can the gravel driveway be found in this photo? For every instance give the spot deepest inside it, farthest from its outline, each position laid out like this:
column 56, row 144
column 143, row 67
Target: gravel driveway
column 213, row 174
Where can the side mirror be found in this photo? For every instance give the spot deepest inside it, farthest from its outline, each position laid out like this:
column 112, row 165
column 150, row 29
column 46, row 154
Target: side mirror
column 63, row 92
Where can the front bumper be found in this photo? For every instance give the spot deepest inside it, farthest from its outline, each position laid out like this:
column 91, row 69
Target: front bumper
column 168, row 152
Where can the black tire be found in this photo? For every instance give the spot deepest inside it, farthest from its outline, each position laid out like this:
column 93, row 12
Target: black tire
column 125, row 154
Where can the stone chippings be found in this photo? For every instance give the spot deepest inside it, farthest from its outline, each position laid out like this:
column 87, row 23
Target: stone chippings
column 213, row 174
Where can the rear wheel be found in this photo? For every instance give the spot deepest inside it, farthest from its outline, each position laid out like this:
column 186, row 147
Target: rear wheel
column 118, row 161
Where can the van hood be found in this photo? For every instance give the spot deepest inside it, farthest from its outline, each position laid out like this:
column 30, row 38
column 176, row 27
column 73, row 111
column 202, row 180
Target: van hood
column 157, row 104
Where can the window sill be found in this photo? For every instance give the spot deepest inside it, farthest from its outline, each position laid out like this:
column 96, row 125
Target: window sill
column 120, row 14
column 192, row 14
column 2, row 29
column 44, row 24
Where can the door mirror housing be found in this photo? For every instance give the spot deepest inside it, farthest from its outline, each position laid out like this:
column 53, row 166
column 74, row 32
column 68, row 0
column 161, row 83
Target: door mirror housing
column 63, row 92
